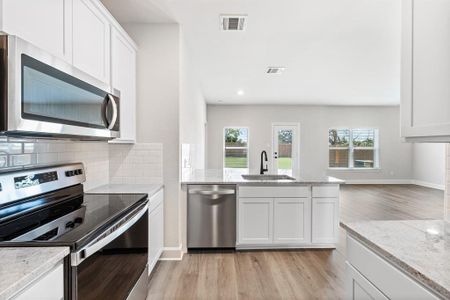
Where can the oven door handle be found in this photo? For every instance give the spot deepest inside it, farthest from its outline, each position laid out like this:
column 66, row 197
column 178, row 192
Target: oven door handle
column 114, row 232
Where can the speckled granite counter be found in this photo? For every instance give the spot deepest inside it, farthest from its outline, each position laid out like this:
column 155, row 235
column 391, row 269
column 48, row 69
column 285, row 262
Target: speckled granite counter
column 420, row 248
column 20, row 266
column 149, row 189
column 235, row 177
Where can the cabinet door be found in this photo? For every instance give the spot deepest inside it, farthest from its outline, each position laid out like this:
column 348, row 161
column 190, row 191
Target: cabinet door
column 292, row 220
column 359, row 288
column 325, row 218
column 123, row 78
column 91, row 40
column 156, row 229
column 45, row 23
column 426, row 69
column 156, row 234
column 255, row 220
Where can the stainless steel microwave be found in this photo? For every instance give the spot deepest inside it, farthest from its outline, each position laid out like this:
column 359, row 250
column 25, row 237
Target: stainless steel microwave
column 44, row 96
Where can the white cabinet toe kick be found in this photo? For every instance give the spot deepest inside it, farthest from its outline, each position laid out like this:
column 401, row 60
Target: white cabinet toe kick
column 287, row 217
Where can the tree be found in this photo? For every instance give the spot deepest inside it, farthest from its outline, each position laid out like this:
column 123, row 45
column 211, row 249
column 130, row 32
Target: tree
column 337, row 139
column 234, row 136
column 285, row 136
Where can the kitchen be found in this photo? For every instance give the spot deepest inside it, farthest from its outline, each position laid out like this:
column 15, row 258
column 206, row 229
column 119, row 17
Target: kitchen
column 129, row 130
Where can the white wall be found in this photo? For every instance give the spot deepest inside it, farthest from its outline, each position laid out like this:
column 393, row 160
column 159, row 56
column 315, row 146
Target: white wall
column 395, row 156
column 429, row 165
column 158, row 88
column 192, row 112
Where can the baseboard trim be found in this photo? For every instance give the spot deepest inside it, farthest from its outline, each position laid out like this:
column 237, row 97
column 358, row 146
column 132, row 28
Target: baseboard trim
column 397, row 181
column 172, row 253
column 429, row 185
column 379, row 181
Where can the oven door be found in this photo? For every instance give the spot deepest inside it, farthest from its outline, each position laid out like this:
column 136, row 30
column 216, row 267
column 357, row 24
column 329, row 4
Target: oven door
column 114, row 265
column 48, row 97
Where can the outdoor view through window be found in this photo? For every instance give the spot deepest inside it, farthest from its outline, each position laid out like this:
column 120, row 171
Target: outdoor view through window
column 236, row 148
column 353, row 148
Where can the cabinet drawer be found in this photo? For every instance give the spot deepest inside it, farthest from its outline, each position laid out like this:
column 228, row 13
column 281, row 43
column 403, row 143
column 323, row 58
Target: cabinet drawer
column 325, row 191
column 48, row 287
column 275, row 191
column 358, row 287
column 387, row 278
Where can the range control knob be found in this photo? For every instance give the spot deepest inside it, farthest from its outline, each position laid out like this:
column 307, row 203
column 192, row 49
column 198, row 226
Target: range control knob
column 70, row 224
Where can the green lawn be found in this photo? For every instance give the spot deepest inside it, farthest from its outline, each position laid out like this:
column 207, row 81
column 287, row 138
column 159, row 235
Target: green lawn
column 241, row 162
column 235, row 162
column 285, row 163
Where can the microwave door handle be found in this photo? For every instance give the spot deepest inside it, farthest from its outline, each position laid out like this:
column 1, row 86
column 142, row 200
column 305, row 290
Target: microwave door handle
column 115, row 112
column 105, row 112
column 79, row 256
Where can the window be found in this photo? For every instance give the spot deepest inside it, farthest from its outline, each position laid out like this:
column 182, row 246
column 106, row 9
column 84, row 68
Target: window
column 355, row 148
column 236, row 148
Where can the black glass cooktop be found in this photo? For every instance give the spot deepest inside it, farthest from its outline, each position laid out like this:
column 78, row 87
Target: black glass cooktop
column 56, row 219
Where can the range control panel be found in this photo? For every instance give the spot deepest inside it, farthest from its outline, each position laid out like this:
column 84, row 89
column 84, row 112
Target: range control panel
column 25, row 183
column 34, row 179
column 76, row 172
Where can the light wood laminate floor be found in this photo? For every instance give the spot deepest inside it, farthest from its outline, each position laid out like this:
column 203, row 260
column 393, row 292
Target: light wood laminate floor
column 295, row 274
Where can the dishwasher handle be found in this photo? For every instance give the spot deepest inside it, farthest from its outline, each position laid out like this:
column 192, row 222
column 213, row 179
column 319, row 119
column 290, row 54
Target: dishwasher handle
column 212, row 192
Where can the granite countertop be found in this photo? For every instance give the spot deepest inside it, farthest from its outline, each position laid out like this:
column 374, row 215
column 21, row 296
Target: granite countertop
column 235, row 177
column 21, row 266
column 420, row 248
column 149, row 189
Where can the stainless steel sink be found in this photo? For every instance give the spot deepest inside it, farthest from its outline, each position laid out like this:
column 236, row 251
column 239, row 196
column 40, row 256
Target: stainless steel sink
column 267, row 177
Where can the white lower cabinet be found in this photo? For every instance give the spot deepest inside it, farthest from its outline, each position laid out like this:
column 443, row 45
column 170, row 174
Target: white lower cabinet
column 287, row 217
column 292, row 220
column 359, row 288
column 325, row 213
column 369, row 276
column 255, row 220
column 48, row 287
column 156, row 229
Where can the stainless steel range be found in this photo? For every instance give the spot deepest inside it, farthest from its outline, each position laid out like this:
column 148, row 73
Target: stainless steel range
column 107, row 233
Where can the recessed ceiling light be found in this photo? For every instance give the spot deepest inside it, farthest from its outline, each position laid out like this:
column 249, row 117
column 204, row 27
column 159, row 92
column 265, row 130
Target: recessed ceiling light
column 275, row 70
column 240, row 92
column 233, row 22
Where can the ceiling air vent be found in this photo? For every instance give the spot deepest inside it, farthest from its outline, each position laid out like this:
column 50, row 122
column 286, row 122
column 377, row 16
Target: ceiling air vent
column 233, row 23
column 275, row 70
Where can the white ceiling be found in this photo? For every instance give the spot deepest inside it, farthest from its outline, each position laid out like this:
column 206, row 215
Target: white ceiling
column 336, row 52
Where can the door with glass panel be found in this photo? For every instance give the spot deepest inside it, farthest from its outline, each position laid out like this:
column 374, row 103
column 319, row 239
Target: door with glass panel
column 285, row 144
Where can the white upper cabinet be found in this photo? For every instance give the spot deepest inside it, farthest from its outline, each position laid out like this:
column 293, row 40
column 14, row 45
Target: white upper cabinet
column 123, row 79
column 85, row 34
column 91, row 40
column 45, row 23
column 425, row 99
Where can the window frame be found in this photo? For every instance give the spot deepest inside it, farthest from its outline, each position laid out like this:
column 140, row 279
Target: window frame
column 351, row 148
column 224, row 147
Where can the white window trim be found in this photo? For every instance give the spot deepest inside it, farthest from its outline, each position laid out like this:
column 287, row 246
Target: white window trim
column 350, row 148
column 224, row 145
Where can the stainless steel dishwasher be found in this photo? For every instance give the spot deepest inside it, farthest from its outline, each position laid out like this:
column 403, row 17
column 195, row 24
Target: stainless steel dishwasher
column 211, row 216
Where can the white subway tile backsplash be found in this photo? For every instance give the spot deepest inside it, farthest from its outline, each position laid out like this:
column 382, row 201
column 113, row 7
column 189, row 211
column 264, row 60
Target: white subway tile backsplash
column 139, row 163
column 16, row 153
column 3, row 161
column 104, row 163
column 22, row 160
